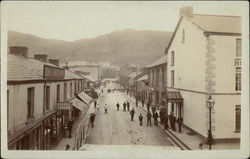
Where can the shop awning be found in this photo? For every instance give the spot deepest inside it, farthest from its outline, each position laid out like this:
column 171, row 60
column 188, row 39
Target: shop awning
column 174, row 97
column 87, row 99
column 143, row 78
column 79, row 105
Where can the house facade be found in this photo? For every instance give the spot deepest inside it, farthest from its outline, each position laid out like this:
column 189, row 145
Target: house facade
column 157, row 76
column 41, row 99
column 204, row 58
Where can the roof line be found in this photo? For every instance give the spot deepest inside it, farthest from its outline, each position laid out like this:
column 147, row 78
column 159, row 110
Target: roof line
column 173, row 36
column 218, row 15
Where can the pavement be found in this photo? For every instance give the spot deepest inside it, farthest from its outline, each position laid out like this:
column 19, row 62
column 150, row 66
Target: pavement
column 187, row 140
column 71, row 141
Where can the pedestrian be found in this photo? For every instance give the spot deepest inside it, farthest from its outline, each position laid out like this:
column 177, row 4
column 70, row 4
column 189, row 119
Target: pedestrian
column 171, row 121
column 174, row 121
column 128, row 104
column 180, row 121
column 92, row 119
column 140, row 119
column 98, row 107
column 162, row 116
column 117, row 106
column 95, row 103
column 166, row 121
column 136, row 102
column 67, row 147
column 155, row 115
column 132, row 113
column 106, row 109
column 148, row 105
column 124, row 106
column 142, row 102
column 70, row 124
column 149, row 118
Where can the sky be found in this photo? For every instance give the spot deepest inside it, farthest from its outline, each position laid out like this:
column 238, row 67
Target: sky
column 79, row 20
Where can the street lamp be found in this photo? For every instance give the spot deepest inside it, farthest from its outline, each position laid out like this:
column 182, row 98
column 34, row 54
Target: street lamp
column 210, row 104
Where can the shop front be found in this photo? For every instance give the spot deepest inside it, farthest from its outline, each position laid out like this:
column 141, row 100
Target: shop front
column 37, row 135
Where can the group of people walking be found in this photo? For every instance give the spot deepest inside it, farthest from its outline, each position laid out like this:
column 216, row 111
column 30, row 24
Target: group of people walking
column 125, row 105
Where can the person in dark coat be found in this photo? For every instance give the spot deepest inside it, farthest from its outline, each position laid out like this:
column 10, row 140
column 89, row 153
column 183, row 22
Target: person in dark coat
column 67, row 147
column 142, row 102
column 166, row 121
column 162, row 115
column 92, row 119
column 180, row 121
column 149, row 118
column 174, row 121
column 124, row 106
column 70, row 124
column 140, row 119
column 148, row 106
column 117, row 106
column 128, row 104
column 132, row 113
column 95, row 103
column 155, row 118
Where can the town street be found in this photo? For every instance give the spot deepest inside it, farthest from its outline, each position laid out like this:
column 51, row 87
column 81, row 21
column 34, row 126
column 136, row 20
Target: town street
column 116, row 128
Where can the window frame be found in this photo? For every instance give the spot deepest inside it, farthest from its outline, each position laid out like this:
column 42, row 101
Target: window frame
column 47, row 98
column 30, row 102
column 172, row 78
column 238, row 47
column 237, row 119
column 238, row 79
column 172, row 58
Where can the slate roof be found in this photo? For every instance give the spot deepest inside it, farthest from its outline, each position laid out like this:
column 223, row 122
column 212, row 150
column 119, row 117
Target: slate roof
column 80, row 63
column 159, row 61
column 22, row 68
column 90, row 78
column 217, row 23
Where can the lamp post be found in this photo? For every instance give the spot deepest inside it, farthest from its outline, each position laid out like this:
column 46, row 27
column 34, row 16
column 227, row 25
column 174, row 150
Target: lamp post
column 210, row 104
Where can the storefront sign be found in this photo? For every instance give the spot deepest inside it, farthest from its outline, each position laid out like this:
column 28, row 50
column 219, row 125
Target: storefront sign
column 53, row 73
column 63, row 105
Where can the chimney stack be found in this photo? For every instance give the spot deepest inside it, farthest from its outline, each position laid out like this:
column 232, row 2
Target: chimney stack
column 19, row 50
column 186, row 11
column 54, row 61
column 41, row 57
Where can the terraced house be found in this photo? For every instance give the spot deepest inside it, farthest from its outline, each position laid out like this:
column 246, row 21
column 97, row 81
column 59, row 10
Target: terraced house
column 204, row 58
column 41, row 99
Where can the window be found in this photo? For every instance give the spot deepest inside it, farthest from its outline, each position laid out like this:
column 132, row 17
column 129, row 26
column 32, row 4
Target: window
column 30, row 103
column 183, row 36
column 75, row 87
column 8, row 109
column 238, row 79
column 238, row 47
column 65, row 92
column 47, row 97
column 237, row 118
column 58, row 93
column 172, row 58
column 172, row 78
column 71, row 89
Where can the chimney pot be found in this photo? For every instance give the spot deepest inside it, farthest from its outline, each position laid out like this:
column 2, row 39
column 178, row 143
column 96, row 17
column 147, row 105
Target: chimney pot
column 41, row 57
column 19, row 50
column 186, row 11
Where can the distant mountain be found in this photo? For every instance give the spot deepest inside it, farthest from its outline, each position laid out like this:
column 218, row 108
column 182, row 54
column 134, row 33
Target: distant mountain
column 120, row 47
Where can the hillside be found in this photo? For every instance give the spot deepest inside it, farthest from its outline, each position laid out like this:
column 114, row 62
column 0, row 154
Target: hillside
column 120, row 47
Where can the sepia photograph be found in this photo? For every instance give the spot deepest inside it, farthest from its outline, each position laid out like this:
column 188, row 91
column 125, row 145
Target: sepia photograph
column 125, row 79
